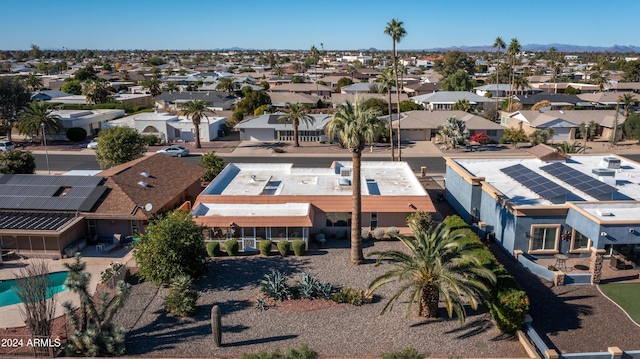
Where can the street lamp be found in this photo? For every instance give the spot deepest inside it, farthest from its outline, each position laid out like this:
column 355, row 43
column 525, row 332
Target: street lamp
column 586, row 134
column 46, row 153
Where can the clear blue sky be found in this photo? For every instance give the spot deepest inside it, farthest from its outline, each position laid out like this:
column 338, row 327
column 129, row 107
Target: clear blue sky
column 284, row 24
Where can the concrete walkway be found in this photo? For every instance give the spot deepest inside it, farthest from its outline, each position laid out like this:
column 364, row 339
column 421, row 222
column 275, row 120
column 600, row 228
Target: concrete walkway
column 96, row 263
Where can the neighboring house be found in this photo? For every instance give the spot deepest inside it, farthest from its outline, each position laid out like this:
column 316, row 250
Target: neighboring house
column 623, row 86
column 142, row 189
column 90, row 120
column 424, row 125
column 136, row 99
column 342, row 98
column 268, row 127
column 303, row 88
column 502, row 90
column 546, row 204
column 561, row 87
column 251, row 201
column 558, row 101
column 363, row 87
column 605, row 99
column 564, row 123
column 47, row 95
column 216, row 101
column 444, row 100
column 171, row 128
column 280, row 99
column 417, row 89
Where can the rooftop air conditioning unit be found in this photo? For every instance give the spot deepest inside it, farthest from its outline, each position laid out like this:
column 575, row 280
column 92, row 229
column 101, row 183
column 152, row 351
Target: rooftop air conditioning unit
column 345, row 172
column 611, row 162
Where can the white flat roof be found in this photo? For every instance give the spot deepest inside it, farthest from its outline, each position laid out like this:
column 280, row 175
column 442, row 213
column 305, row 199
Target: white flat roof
column 378, row 178
column 627, row 178
column 611, row 212
column 259, row 210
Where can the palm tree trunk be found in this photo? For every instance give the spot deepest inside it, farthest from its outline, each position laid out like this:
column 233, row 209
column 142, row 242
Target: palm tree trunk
column 356, row 210
column 42, row 137
column 196, row 133
column 393, row 157
column 296, row 143
column 395, row 71
column 429, row 302
column 498, row 82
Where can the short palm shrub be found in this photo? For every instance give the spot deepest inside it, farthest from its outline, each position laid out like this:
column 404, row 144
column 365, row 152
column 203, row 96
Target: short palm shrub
column 182, row 297
column 232, row 247
column 299, row 247
column 352, row 296
column 213, row 249
column 274, row 285
column 393, row 232
column 284, row 247
column 265, row 247
column 378, row 233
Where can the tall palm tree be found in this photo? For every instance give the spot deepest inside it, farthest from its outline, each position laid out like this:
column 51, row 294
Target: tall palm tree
column 226, row 84
column 397, row 32
column 33, row 82
column 385, row 84
column 296, row 114
column 153, row 85
column 195, row 110
column 514, row 48
column 277, row 70
column 440, row 263
column 355, row 125
column 97, row 91
column 627, row 100
column 498, row 44
column 34, row 115
column 171, row 86
column 599, row 79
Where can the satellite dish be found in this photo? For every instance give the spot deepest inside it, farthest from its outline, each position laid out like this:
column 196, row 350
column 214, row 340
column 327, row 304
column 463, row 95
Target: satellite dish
column 148, row 207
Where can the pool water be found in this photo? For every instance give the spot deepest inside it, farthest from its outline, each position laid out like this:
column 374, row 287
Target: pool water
column 7, row 287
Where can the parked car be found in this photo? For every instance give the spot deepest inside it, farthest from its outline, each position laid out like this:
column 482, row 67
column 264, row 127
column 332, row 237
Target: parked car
column 175, row 151
column 6, row 146
column 93, row 144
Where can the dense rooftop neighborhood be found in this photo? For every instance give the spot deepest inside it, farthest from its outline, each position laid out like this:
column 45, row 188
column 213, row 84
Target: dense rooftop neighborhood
column 529, row 141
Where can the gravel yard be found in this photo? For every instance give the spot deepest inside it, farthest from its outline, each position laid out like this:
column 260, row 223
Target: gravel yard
column 333, row 330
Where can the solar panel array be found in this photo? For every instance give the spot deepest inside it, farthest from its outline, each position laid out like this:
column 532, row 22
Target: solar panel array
column 581, row 181
column 50, row 193
column 34, row 221
column 542, row 186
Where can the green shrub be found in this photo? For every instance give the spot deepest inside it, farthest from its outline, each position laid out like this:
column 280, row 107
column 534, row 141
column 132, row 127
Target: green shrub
column 299, row 247
column 365, row 234
column 393, row 232
column 213, row 249
column 275, row 286
column 352, row 296
column 420, row 220
column 378, row 233
column 232, row 247
column 265, row 247
column 109, row 272
column 76, row 134
column 182, row 297
column 455, row 222
column 151, row 140
column 284, row 247
column 303, row 353
column 407, row 353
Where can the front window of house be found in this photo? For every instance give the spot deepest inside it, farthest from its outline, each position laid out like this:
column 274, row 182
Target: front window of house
column 544, row 238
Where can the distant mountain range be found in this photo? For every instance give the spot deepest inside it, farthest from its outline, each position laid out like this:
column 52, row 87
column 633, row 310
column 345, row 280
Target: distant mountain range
column 539, row 47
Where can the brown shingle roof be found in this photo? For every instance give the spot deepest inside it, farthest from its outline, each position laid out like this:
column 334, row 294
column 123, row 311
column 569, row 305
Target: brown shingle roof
column 168, row 178
column 546, row 153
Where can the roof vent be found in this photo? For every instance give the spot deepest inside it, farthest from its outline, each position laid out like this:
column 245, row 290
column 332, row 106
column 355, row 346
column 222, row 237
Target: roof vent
column 145, row 174
column 143, row 184
column 344, row 182
column 611, row 162
column 602, row 213
column 345, row 172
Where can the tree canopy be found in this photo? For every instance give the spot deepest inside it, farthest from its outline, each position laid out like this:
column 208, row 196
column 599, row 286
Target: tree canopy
column 345, row 81
column 13, row 96
column 458, row 81
column 17, row 162
column 172, row 245
column 214, row 165
column 119, row 145
column 453, row 62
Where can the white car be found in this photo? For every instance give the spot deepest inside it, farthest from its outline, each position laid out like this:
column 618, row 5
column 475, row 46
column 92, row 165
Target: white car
column 93, row 144
column 6, row 146
column 175, row 151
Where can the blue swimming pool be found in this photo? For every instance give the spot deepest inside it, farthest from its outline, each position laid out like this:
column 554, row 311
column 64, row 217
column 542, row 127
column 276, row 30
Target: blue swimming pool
column 8, row 296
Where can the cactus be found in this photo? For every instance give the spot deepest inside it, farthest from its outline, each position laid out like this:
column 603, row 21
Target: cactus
column 216, row 325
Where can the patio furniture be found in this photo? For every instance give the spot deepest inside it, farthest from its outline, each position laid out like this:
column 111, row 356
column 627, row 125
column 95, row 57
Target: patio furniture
column 561, row 261
column 617, row 262
column 99, row 247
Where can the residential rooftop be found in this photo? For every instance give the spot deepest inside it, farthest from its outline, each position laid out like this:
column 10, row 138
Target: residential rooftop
column 378, row 178
column 625, row 180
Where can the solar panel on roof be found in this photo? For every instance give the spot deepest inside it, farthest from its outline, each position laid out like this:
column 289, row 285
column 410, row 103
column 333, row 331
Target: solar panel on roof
column 540, row 185
column 581, row 181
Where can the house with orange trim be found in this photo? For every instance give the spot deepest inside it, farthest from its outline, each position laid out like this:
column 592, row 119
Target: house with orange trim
column 255, row 201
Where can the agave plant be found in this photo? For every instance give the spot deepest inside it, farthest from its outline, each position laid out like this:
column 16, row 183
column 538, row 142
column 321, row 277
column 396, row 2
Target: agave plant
column 307, row 286
column 324, row 290
column 275, row 286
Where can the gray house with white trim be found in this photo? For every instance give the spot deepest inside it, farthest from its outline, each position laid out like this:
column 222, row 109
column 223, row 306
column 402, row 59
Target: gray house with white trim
column 268, row 128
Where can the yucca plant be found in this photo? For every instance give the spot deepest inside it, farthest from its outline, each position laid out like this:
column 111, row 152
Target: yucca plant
column 182, row 297
column 275, row 286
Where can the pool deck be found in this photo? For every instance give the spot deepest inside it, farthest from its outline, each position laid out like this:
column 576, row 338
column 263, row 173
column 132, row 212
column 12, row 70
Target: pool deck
column 96, row 263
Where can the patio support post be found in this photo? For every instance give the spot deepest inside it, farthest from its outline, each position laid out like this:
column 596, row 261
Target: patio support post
column 595, row 265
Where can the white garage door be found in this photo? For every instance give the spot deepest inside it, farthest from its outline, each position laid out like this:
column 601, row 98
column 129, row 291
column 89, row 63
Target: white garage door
column 261, row 134
column 413, row 135
column 561, row 133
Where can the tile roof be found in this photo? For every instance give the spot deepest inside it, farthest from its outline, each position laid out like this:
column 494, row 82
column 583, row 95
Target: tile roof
column 168, row 178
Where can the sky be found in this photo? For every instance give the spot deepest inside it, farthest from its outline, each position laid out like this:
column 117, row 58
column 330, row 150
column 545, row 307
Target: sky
column 297, row 25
